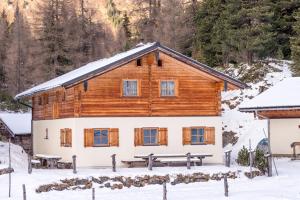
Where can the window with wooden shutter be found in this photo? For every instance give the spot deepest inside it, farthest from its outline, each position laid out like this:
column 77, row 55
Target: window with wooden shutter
column 198, row 135
column 209, row 135
column 163, row 136
column 66, row 137
column 138, row 137
column 62, row 137
column 186, row 135
column 114, row 137
column 88, row 137
column 101, row 137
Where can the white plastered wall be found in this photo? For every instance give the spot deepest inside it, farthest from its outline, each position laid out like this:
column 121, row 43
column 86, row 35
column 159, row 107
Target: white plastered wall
column 283, row 132
column 100, row 156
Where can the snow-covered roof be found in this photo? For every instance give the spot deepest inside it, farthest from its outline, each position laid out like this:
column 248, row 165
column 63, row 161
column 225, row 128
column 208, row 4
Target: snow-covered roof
column 18, row 123
column 89, row 70
column 283, row 95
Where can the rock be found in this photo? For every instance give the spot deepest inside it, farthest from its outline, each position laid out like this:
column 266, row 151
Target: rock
column 107, row 185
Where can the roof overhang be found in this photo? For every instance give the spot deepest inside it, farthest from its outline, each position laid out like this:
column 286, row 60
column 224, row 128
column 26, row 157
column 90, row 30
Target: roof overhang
column 271, row 108
column 155, row 47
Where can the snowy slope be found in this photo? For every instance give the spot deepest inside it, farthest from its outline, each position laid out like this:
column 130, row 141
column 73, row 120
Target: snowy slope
column 18, row 156
column 245, row 125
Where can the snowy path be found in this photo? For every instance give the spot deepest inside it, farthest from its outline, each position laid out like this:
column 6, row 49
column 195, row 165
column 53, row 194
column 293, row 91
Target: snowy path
column 285, row 186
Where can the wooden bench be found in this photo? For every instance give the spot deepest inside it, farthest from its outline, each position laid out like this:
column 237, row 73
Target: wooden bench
column 293, row 145
column 134, row 163
column 49, row 161
column 169, row 158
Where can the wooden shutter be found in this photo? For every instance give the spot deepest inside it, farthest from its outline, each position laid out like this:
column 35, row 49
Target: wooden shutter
column 186, row 135
column 69, row 137
column 163, row 136
column 209, row 135
column 62, row 137
column 88, row 137
column 114, row 137
column 138, row 137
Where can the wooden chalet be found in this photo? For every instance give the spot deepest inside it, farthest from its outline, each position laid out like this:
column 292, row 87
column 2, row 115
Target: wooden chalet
column 150, row 99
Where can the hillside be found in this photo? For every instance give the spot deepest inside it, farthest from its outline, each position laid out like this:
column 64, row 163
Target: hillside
column 239, row 127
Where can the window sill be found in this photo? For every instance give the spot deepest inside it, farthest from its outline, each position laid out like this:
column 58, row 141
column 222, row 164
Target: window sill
column 101, row 145
column 147, row 145
column 198, row 144
column 130, row 96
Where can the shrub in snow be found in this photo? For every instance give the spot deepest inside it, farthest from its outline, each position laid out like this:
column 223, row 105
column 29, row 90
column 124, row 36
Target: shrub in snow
column 243, row 157
column 260, row 161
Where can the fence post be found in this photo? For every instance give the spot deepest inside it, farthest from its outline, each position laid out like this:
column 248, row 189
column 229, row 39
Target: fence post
column 150, row 161
column 227, row 158
column 225, row 186
column 250, row 159
column 188, row 163
column 269, row 161
column 24, row 192
column 9, row 166
column 93, row 193
column 165, row 191
column 29, row 164
column 74, row 164
column 113, row 157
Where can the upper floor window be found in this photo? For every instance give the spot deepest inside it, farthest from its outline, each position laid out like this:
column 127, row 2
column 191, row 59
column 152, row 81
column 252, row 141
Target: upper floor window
column 130, row 88
column 197, row 135
column 150, row 136
column 167, row 88
column 101, row 137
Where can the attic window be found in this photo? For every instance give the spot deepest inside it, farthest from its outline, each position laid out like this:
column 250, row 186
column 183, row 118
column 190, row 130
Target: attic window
column 139, row 62
column 159, row 63
column 85, row 85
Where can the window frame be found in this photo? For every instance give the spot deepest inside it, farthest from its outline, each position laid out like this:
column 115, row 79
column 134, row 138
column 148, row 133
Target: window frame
column 137, row 88
column 160, row 88
column 101, row 145
column 198, row 143
column 156, row 136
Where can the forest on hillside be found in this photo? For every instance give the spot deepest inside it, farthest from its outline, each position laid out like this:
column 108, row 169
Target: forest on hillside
column 52, row 37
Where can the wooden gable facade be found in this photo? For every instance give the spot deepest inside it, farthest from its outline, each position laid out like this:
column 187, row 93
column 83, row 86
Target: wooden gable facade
column 197, row 93
column 100, row 93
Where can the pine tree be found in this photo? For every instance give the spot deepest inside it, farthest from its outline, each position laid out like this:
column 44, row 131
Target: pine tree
column 19, row 69
column 282, row 25
column 295, row 45
column 53, row 34
column 4, row 41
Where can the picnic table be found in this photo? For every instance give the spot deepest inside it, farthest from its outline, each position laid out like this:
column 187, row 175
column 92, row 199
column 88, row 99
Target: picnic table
column 174, row 157
column 49, row 160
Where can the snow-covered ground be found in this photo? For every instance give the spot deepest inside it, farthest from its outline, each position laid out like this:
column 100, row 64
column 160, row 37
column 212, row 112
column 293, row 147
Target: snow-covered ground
column 284, row 186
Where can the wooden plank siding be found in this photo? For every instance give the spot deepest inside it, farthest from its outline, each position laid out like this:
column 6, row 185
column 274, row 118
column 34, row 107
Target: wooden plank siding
column 198, row 93
column 279, row 114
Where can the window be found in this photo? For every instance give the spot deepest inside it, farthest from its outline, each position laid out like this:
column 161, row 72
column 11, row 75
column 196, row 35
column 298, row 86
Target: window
column 66, row 137
column 139, row 62
column 167, row 88
column 101, row 137
column 159, row 63
column 130, row 88
column 150, row 136
column 197, row 135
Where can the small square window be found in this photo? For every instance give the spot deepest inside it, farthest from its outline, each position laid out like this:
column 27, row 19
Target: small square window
column 197, row 135
column 167, row 88
column 100, row 137
column 139, row 62
column 150, row 136
column 130, row 88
